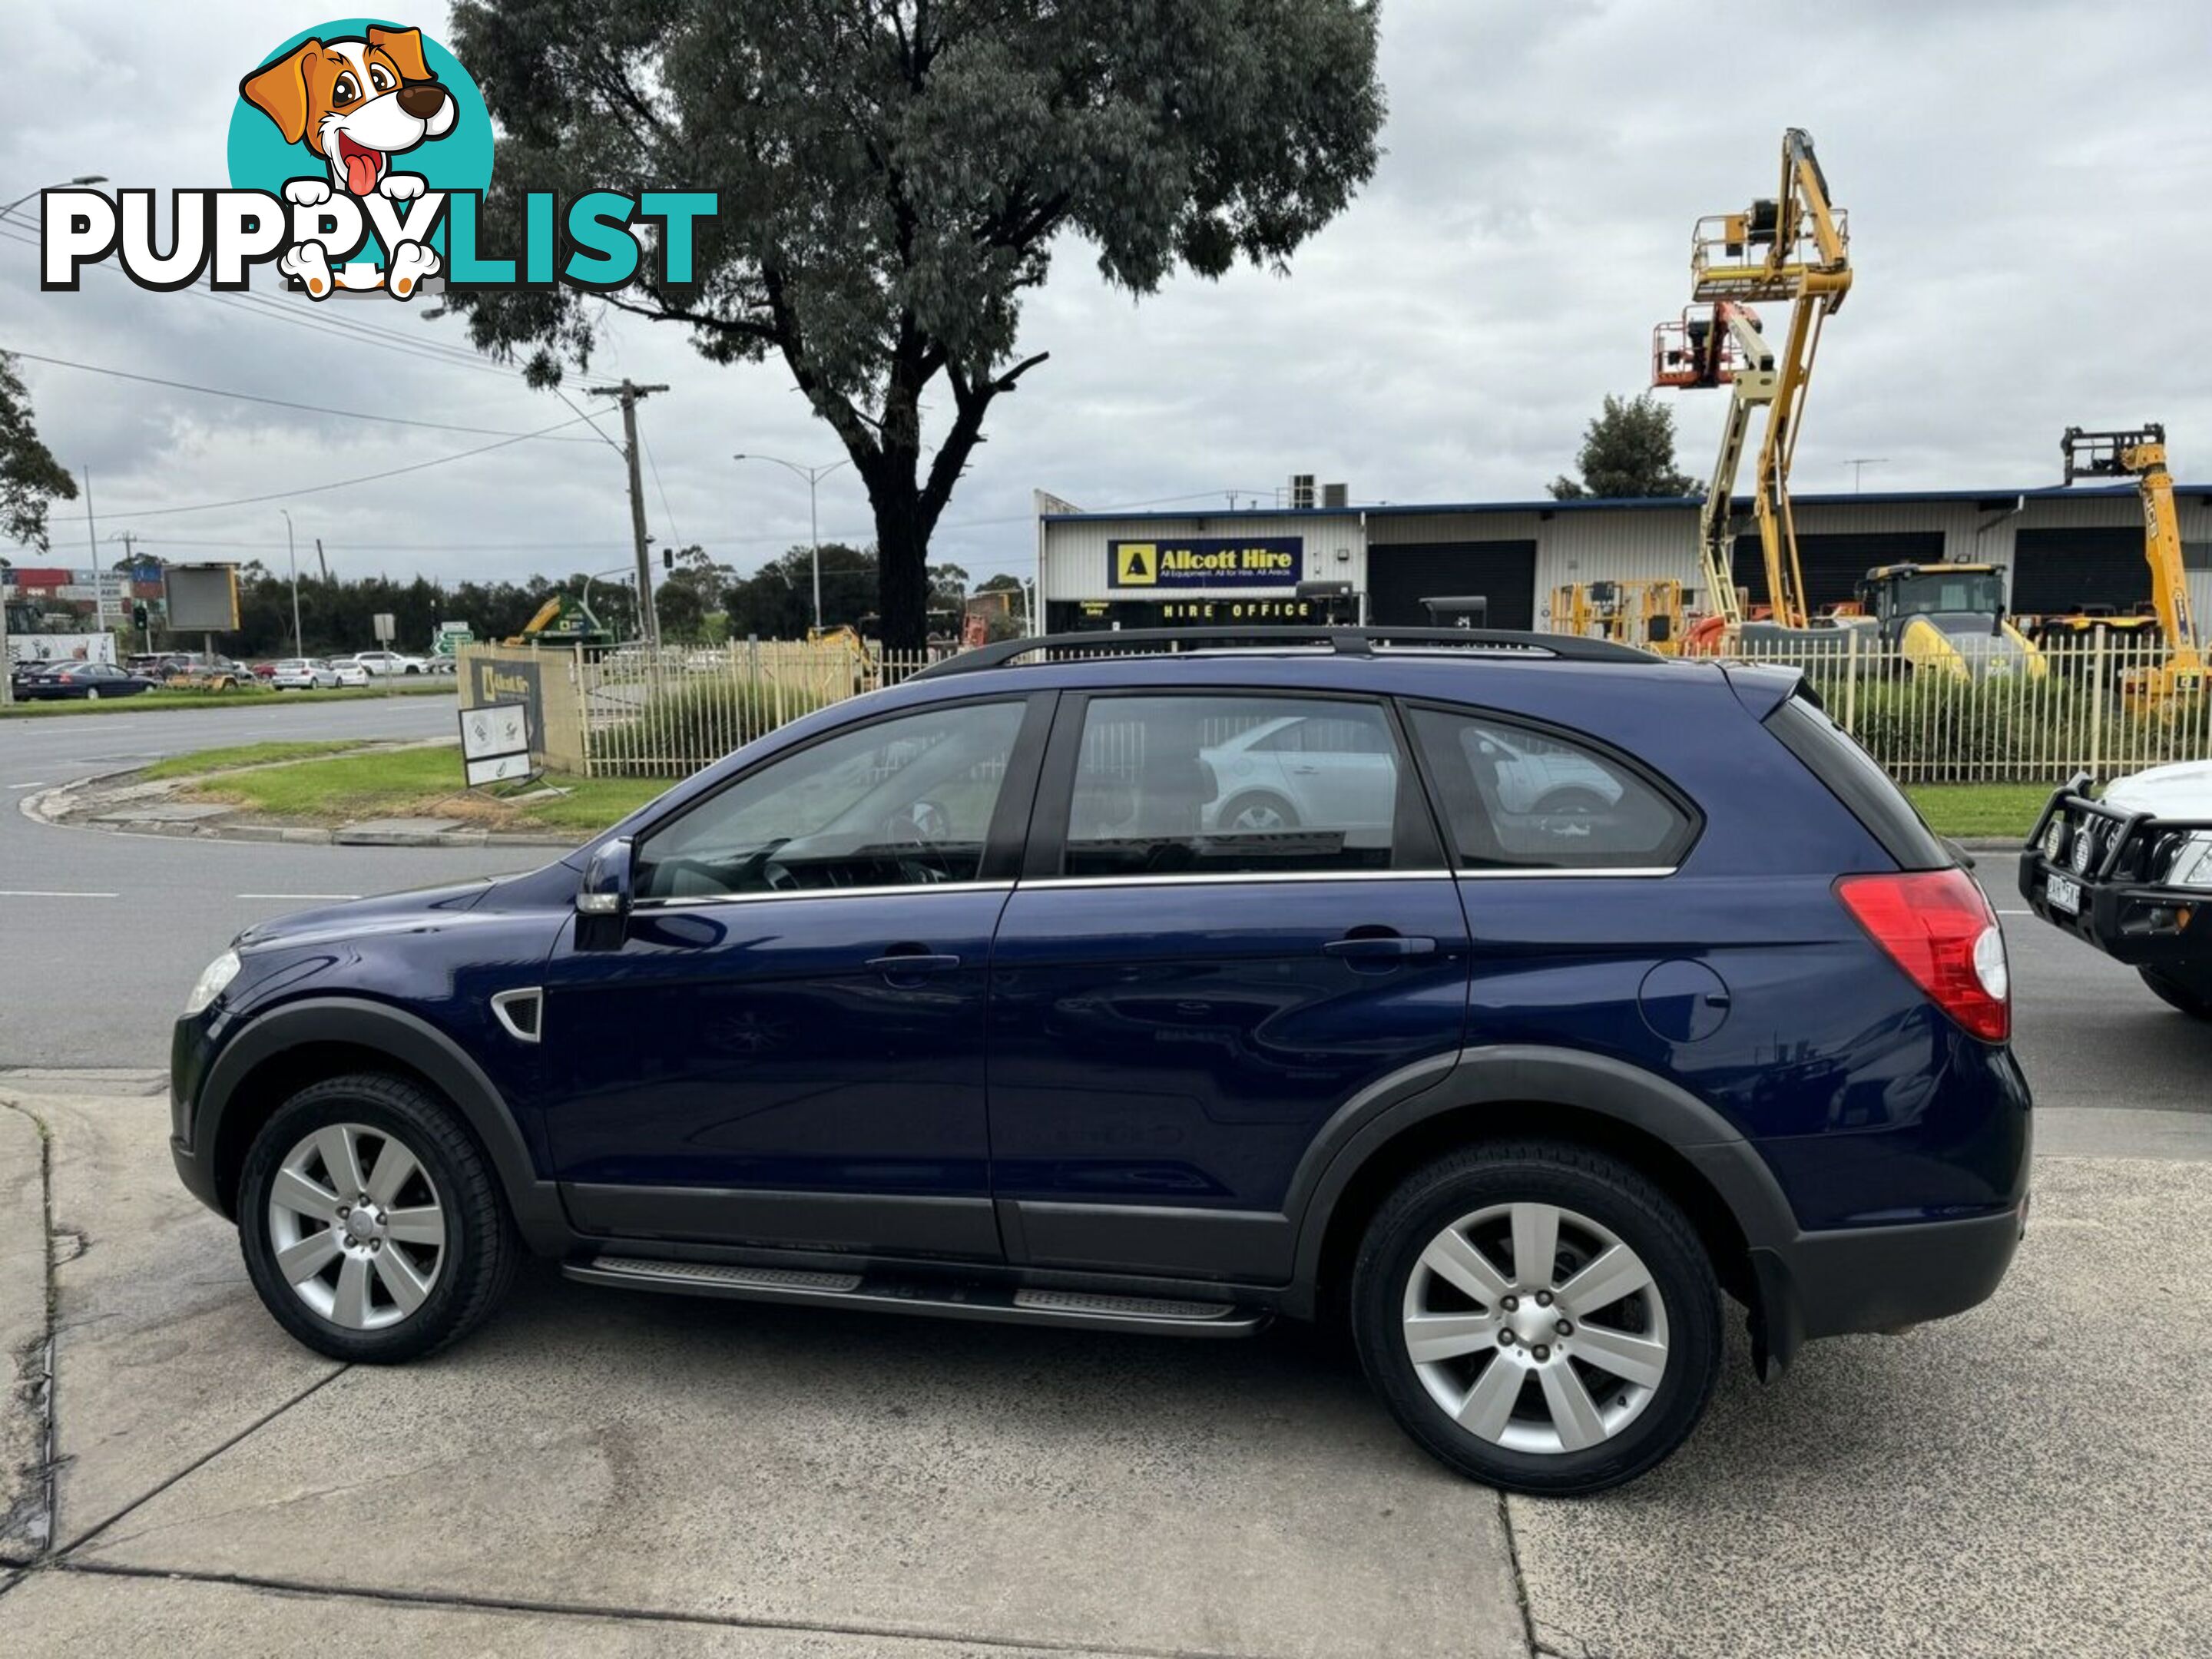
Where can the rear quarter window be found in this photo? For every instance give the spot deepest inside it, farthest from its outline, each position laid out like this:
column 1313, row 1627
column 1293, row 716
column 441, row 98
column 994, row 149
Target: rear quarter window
column 1517, row 797
column 1852, row 776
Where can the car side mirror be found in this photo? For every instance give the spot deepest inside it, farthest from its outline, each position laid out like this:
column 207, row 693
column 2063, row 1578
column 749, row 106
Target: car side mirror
column 603, row 898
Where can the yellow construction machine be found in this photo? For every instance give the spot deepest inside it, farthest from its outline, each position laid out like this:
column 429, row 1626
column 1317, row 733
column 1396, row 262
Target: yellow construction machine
column 2141, row 454
column 1645, row 613
column 1946, row 619
column 1793, row 249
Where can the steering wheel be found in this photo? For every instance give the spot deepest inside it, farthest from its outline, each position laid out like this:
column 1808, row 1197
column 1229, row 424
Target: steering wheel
column 760, row 868
column 923, row 825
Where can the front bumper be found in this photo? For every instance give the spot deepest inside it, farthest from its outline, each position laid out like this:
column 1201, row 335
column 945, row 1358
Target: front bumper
column 1879, row 1279
column 2108, row 853
column 189, row 1054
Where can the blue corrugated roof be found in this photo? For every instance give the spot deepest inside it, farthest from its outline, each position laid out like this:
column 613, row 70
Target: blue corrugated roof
column 1618, row 504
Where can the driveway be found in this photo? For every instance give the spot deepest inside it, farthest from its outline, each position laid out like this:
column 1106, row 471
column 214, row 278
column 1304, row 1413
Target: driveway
column 604, row 1474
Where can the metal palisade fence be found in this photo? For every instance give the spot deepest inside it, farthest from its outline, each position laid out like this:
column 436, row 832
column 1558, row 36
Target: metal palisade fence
column 2093, row 704
column 669, row 713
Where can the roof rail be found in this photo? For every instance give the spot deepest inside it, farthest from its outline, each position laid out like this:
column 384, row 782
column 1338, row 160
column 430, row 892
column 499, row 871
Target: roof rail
column 1344, row 641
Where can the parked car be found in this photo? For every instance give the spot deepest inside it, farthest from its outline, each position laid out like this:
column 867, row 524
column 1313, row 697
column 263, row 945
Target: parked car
column 196, row 672
column 31, row 668
column 263, row 671
column 2130, row 872
column 349, row 672
column 90, row 681
column 303, row 674
column 390, row 662
column 1285, row 772
column 1522, row 1094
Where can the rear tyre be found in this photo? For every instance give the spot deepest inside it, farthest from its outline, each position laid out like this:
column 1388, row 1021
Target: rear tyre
column 1538, row 1316
column 1259, row 813
column 92, row 694
column 2194, row 1001
column 373, row 1227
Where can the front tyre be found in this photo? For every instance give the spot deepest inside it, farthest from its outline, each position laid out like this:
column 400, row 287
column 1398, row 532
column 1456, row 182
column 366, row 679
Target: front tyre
column 2193, row 999
column 1538, row 1316
column 373, row 1227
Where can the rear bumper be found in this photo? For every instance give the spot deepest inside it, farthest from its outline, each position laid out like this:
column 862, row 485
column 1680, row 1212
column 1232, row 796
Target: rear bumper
column 1879, row 1279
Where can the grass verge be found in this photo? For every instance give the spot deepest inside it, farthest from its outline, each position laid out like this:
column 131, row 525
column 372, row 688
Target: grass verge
column 411, row 783
column 151, row 701
column 246, row 754
column 1981, row 809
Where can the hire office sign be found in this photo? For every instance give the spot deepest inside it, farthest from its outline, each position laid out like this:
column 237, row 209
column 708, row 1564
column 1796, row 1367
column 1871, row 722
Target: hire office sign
column 1207, row 562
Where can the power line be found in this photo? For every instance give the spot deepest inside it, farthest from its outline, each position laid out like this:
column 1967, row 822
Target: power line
column 277, row 403
column 268, row 306
column 338, row 483
column 674, row 531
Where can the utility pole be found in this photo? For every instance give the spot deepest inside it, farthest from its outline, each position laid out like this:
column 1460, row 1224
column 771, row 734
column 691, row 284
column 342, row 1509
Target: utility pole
column 323, row 562
column 292, row 553
column 92, row 535
column 629, row 391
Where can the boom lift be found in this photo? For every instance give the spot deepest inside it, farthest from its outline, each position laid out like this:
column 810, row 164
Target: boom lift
column 1793, row 248
column 2141, row 454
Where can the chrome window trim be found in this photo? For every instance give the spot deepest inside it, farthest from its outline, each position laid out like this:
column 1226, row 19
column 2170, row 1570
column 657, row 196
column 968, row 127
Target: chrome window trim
column 692, row 902
column 1212, row 879
column 1054, row 883
column 1600, row 873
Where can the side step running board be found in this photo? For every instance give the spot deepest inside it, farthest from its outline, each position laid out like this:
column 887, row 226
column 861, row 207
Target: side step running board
column 917, row 1294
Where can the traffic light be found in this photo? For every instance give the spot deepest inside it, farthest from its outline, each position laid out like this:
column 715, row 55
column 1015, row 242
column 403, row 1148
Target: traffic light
column 138, row 614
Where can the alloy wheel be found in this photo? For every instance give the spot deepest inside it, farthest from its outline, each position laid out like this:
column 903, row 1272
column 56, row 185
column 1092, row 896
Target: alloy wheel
column 1535, row 1328
column 356, row 1226
column 1259, row 817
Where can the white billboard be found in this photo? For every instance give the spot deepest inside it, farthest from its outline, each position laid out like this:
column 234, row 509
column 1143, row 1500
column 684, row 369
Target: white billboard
column 60, row 648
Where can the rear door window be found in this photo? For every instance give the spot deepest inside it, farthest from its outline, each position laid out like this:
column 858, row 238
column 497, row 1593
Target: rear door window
column 1232, row 783
column 1516, row 797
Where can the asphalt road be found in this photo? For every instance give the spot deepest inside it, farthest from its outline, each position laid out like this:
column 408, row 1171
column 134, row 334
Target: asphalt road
column 101, row 934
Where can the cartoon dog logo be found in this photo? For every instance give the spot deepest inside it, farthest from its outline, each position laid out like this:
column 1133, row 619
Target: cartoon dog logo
column 354, row 102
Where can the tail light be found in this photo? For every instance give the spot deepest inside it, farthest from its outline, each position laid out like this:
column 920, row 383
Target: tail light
column 1936, row 926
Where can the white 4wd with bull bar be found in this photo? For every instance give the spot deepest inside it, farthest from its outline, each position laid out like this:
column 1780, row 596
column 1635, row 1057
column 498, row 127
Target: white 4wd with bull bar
column 2130, row 872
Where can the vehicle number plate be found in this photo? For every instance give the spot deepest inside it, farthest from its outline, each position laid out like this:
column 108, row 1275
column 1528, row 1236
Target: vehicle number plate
column 2064, row 894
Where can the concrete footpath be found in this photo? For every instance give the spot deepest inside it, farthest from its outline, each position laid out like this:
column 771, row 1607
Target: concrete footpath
column 600, row 1474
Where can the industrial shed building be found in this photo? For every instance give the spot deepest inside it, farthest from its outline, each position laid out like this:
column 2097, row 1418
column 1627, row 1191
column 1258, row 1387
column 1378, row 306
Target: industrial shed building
column 2064, row 548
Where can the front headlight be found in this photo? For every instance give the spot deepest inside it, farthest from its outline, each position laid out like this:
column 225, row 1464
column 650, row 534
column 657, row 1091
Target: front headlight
column 217, row 975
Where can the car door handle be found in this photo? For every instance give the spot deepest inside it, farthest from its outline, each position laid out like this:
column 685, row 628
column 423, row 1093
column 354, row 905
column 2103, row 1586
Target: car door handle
column 900, row 962
column 1369, row 947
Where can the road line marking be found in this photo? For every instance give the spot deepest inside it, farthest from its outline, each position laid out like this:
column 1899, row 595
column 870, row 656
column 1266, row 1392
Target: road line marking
column 37, row 893
column 40, row 784
column 298, row 896
column 2015, row 912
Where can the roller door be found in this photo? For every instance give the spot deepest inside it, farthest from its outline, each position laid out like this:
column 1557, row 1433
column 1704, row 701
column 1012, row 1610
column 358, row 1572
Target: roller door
column 2057, row 571
column 1399, row 577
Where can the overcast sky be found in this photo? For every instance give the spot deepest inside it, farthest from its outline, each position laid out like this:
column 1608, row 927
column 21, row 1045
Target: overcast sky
column 2028, row 185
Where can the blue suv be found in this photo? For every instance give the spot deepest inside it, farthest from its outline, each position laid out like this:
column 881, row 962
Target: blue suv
column 1557, row 992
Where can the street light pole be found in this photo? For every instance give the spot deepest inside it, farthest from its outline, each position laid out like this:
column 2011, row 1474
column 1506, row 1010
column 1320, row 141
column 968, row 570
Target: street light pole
column 814, row 475
column 80, row 180
column 292, row 552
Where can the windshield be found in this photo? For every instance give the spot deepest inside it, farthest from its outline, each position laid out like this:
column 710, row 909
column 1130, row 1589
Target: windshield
column 1978, row 592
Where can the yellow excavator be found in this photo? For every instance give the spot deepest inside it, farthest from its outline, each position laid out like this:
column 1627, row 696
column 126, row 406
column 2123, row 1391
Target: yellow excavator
column 1795, row 249
column 2141, row 454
